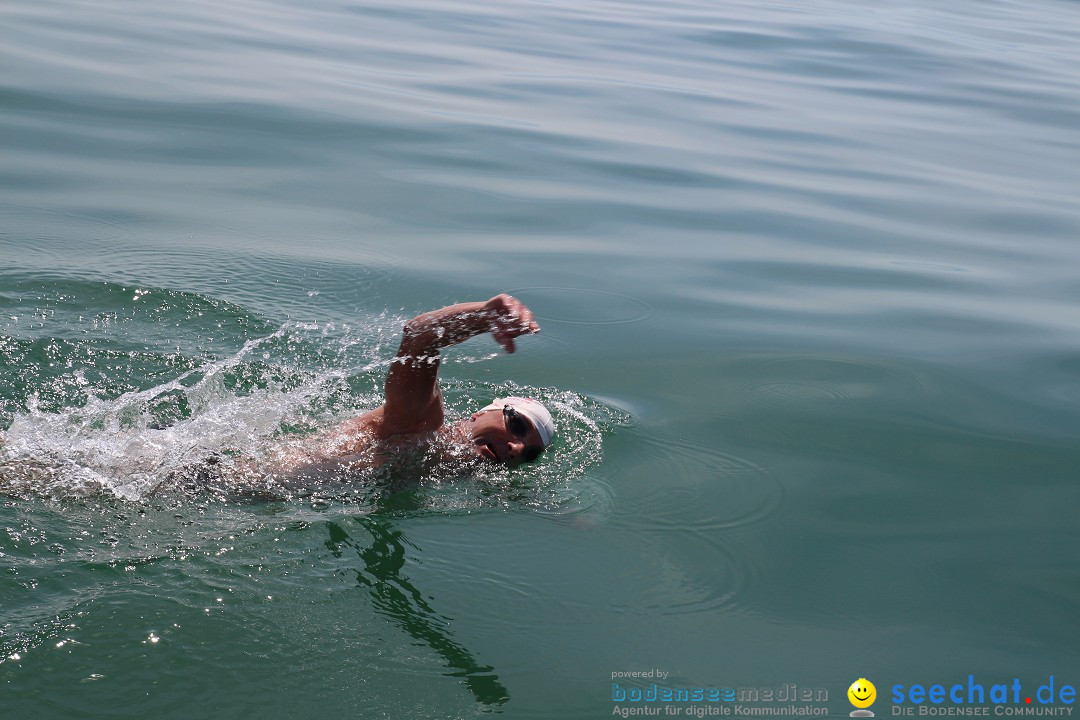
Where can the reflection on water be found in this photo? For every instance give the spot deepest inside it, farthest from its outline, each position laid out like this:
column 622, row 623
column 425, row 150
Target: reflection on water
column 398, row 600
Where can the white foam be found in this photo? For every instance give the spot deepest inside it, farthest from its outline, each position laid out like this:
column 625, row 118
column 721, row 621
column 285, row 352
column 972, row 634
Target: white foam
column 116, row 444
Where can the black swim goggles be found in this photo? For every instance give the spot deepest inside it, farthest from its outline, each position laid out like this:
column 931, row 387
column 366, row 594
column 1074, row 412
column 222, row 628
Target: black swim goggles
column 519, row 427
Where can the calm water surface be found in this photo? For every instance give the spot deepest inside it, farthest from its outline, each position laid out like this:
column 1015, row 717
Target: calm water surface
column 807, row 276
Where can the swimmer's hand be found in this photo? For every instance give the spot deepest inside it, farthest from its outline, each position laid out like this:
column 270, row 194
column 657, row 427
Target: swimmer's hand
column 503, row 316
column 509, row 319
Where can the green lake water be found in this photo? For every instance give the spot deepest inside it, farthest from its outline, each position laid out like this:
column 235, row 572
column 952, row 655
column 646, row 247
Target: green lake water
column 807, row 276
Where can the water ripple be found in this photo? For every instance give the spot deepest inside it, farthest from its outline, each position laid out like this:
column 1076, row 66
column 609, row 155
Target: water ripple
column 727, row 491
column 823, row 384
column 581, row 306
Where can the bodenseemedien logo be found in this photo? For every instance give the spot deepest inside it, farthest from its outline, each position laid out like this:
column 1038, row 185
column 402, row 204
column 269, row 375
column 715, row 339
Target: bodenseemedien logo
column 862, row 694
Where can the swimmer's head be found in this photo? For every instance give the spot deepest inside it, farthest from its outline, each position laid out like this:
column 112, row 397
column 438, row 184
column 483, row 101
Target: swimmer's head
column 511, row 430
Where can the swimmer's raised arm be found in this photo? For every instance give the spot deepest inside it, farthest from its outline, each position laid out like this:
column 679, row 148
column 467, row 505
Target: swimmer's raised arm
column 503, row 316
column 413, row 399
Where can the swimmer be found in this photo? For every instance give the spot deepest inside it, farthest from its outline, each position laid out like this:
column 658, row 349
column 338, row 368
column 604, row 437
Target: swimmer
column 509, row 431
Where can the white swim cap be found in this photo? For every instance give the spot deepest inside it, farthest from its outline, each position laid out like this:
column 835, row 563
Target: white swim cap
column 533, row 409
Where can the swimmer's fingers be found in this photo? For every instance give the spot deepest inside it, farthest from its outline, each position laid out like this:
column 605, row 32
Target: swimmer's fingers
column 506, row 342
column 510, row 319
column 504, row 334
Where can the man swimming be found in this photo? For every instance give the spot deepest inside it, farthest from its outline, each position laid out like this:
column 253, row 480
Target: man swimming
column 509, row 431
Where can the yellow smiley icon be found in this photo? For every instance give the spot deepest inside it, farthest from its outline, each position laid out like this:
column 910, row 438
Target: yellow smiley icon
column 862, row 693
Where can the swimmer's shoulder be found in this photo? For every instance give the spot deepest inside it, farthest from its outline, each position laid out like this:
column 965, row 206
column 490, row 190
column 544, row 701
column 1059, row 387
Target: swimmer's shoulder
column 370, row 425
column 352, row 436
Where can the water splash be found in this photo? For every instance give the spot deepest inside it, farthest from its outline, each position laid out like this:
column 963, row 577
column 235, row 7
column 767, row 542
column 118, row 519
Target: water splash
column 201, row 431
column 121, row 445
